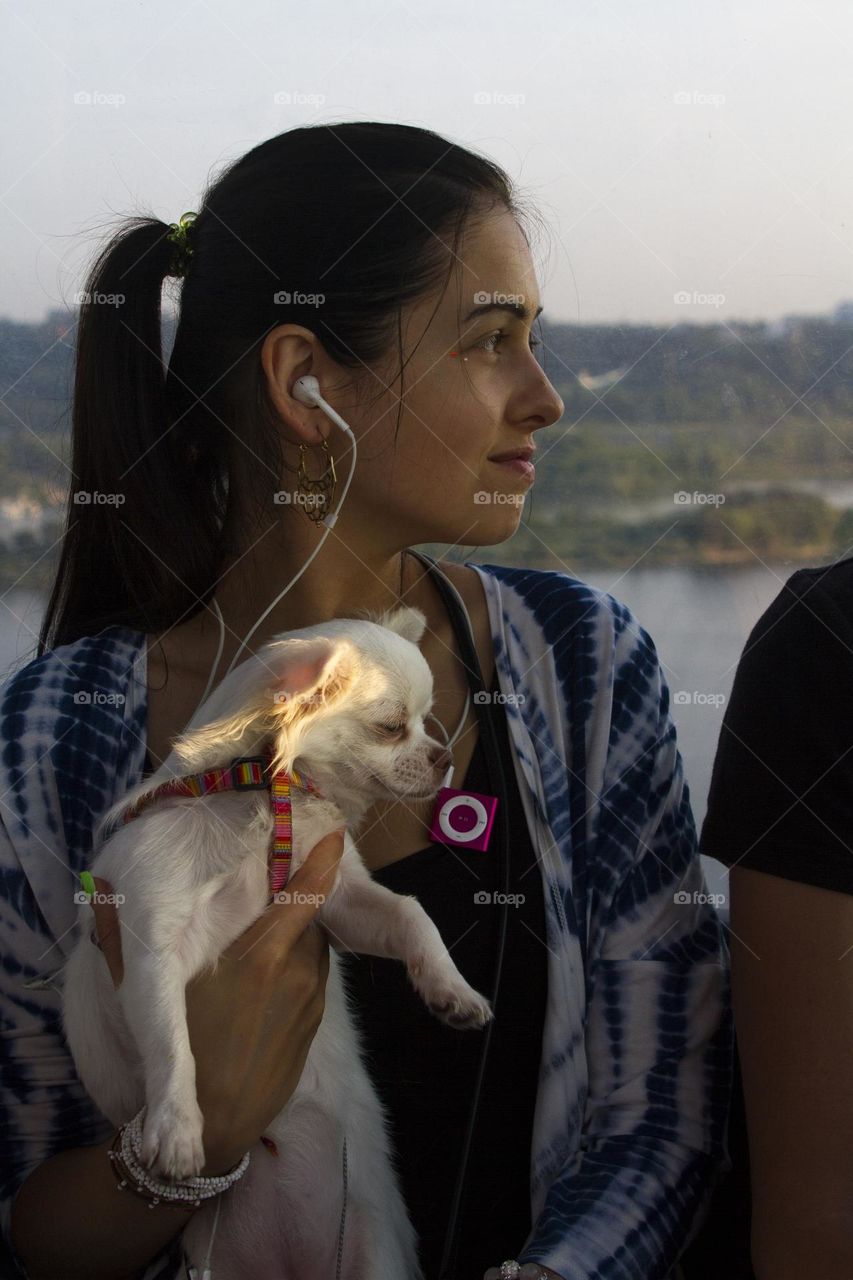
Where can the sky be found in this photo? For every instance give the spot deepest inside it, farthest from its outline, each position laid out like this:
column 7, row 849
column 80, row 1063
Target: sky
column 691, row 162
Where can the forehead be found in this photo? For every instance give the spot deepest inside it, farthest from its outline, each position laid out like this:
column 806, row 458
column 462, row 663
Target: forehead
column 398, row 684
column 493, row 257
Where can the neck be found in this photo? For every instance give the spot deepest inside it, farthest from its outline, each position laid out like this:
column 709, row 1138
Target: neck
column 349, row 803
column 340, row 582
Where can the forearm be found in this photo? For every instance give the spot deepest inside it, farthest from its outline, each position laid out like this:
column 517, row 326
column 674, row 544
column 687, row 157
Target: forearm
column 96, row 1231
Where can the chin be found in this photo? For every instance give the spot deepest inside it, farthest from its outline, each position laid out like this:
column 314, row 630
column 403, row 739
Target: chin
column 380, row 785
column 399, row 793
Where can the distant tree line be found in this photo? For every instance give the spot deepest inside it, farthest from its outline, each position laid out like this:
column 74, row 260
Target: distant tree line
column 650, row 411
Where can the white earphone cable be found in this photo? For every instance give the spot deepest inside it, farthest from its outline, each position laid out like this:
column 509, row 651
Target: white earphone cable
column 306, row 390
column 448, row 742
column 206, row 1271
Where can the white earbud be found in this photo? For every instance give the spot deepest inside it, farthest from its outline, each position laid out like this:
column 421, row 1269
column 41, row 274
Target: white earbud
column 307, row 391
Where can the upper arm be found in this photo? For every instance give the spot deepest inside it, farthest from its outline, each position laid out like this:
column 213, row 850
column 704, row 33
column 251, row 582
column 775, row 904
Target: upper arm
column 792, row 984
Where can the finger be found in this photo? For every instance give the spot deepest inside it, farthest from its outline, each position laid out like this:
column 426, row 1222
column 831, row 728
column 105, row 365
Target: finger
column 109, row 934
column 319, row 869
column 313, row 945
column 299, row 902
column 307, row 888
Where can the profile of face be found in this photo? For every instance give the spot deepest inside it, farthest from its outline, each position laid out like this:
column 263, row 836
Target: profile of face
column 472, row 387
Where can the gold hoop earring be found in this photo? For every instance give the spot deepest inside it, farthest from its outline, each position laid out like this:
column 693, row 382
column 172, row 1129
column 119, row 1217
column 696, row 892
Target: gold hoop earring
column 319, row 493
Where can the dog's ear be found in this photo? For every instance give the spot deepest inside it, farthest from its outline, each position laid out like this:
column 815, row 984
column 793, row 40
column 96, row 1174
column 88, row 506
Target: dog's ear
column 405, row 621
column 311, row 675
column 290, row 680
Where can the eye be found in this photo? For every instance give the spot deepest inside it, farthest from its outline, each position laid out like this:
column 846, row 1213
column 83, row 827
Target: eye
column 533, row 342
column 389, row 728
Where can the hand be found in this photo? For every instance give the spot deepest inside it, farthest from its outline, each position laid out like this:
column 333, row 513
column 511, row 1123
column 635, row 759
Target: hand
column 252, row 1021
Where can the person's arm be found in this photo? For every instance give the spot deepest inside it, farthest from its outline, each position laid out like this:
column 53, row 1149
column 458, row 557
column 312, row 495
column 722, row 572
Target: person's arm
column 96, row 1231
column 780, row 815
column 792, row 981
column 659, row 1039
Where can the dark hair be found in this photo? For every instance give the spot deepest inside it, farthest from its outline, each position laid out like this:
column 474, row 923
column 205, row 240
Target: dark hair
column 178, row 462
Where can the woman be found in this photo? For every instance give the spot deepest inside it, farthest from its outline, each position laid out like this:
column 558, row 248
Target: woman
column 393, row 266
column 779, row 815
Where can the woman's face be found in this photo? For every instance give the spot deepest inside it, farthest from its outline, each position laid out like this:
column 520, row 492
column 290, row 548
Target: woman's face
column 472, row 387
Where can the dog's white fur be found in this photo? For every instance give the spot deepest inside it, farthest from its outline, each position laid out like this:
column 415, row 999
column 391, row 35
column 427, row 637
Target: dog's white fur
column 193, row 875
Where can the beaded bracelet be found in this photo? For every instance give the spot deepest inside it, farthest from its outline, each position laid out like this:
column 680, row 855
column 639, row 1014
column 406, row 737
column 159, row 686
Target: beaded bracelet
column 513, row 1270
column 125, row 1179
column 125, row 1157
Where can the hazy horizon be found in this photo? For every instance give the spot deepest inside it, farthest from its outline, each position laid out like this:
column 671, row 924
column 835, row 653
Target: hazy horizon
column 729, row 319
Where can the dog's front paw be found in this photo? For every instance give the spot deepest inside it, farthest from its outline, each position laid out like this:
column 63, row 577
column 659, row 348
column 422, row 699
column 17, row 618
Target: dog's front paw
column 437, row 980
column 171, row 1139
column 457, row 1004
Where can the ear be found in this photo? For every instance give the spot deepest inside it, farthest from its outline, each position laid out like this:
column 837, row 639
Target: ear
column 405, row 621
column 310, row 675
column 289, row 681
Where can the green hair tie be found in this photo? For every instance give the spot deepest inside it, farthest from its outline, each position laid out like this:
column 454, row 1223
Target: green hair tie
column 179, row 235
column 88, row 883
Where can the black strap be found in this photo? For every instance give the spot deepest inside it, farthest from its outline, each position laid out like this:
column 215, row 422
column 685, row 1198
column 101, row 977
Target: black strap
column 459, row 617
column 485, row 713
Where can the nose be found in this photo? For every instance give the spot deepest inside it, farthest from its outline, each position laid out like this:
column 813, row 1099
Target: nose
column 551, row 405
column 439, row 757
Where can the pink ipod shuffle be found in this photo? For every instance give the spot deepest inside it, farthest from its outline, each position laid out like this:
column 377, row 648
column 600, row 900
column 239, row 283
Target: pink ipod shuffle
column 463, row 818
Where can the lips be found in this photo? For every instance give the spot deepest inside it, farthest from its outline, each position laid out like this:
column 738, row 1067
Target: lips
column 525, row 454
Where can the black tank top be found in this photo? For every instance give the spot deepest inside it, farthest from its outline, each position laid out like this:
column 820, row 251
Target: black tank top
column 425, row 1072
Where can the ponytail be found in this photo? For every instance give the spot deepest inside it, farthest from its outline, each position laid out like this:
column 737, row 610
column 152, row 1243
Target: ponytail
column 139, row 527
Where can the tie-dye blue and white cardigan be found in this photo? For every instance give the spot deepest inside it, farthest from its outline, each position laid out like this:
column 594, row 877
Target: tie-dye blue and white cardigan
column 629, row 1127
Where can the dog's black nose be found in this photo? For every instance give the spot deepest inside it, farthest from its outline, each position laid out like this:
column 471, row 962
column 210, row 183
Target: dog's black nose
column 439, row 757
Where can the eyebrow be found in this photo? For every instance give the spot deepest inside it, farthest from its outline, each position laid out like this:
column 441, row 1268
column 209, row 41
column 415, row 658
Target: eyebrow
column 395, row 708
column 515, row 308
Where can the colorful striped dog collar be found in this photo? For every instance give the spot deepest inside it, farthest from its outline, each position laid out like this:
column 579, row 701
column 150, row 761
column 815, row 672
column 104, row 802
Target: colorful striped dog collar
column 244, row 773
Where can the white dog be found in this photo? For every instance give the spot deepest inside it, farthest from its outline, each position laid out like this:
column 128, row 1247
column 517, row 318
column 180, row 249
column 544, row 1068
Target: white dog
column 347, row 700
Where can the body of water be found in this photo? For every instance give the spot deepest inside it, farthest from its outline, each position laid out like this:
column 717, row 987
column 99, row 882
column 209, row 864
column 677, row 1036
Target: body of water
column 699, row 620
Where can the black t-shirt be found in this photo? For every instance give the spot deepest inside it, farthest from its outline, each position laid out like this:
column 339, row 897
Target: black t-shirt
column 781, row 796
column 425, row 1072
column 781, row 801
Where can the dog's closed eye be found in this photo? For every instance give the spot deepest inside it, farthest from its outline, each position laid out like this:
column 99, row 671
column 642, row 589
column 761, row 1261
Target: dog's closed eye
column 390, row 729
